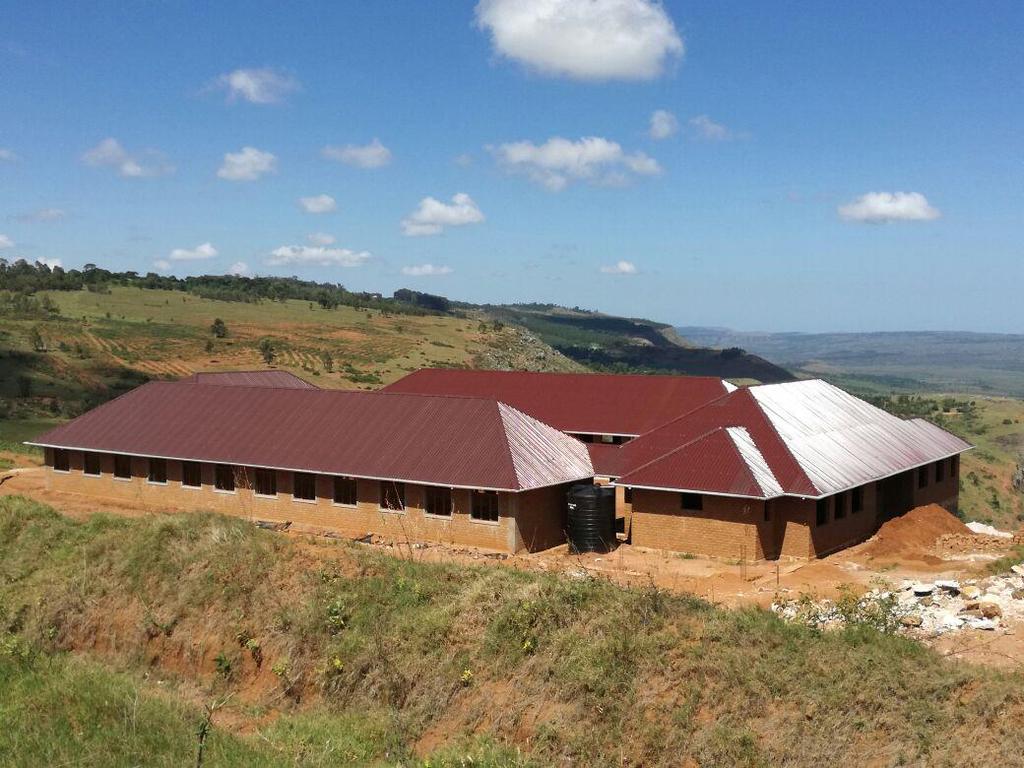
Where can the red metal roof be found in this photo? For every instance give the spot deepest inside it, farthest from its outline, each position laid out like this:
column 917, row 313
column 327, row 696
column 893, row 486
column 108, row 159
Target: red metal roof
column 806, row 438
column 593, row 403
column 273, row 378
column 711, row 463
column 453, row 441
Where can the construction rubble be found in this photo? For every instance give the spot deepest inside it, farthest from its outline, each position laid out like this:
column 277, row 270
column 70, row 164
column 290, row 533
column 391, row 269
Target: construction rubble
column 919, row 609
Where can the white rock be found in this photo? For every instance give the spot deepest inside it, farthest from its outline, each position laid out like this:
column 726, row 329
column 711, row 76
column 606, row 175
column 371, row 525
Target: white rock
column 948, row 585
column 986, row 624
column 988, row 530
column 1018, row 569
column 923, row 589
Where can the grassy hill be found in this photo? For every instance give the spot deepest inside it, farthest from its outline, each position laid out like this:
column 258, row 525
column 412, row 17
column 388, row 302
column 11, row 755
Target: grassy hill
column 622, row 344
column 55, row 364
column 116, row 633
column 981, row 363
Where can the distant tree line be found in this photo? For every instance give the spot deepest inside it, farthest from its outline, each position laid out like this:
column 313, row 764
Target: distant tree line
column 21, row 277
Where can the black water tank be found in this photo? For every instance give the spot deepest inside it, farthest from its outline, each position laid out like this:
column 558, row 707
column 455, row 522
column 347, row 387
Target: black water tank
column 591, row 518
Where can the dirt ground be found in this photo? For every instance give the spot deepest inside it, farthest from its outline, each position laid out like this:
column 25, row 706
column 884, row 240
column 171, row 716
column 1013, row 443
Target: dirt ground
column 924, row 549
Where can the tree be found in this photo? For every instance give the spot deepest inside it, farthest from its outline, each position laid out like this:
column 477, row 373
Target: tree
column 35, row 338
column 328, row 360
column 267, row 350
column 209, row 346
column 219, row 328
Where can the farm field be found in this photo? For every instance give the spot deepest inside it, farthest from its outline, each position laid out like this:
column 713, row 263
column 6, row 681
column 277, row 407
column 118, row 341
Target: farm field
column 102, row 344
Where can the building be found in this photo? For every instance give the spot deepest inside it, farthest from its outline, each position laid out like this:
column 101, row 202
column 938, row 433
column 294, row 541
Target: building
column 459, row 470
column 485, row 458
column 796, row 469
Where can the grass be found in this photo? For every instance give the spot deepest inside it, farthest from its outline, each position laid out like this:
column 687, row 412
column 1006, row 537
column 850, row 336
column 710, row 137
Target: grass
column 369, row 659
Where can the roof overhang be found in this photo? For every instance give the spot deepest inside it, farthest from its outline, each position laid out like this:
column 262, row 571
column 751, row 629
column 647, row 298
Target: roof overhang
column 413, row 481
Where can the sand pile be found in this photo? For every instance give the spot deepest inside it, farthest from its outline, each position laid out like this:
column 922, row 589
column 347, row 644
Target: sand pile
column 914, row 535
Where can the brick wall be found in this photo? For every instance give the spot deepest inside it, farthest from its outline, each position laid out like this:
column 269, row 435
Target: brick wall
column 945, row 492
column 541, row 517
column 726, row 527
column 540, row 512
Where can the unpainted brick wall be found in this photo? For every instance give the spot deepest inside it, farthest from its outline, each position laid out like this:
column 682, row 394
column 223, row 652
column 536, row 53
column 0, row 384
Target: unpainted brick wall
column 365, row 517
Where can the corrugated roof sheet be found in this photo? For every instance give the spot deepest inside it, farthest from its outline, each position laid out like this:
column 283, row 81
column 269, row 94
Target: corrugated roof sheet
column 805, row 438
column 842, row 441
column 279, row 379
column 455, row 441
column 592, row 403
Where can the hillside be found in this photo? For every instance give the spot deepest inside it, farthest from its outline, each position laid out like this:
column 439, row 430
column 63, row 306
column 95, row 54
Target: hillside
column 115, row 634
column 983, row 363
column 89, row 345
column 606, row 342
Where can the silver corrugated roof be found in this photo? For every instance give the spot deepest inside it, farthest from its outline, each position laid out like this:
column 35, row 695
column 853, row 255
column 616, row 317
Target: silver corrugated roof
column 841, row 441
column 770, row 486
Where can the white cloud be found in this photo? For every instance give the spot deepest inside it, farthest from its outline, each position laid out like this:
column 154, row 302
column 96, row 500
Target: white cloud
column 881, row 207
column 51, row 263
column 620, row 268
column 320, row 238
column 247, row 165
column 703, row 127
column 464, row 160
column 5, row 242
column 663, row 124
column 238, row 268
column 372, row 155
column 583, row 39
column 324, row 257
column 318, row 204
column 426, row 270
column 7, row 155
column 162, row 265
column 202, row 251
column 42, row 215
column 432, row 216
column 110, row 154
column 257, row 86
column 558, row 161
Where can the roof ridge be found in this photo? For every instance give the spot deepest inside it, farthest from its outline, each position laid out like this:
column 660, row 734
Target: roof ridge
column 329, row 391
column 754, row 472
column 775, row 431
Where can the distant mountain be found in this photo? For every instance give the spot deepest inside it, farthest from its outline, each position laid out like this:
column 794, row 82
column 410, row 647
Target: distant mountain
column 623, row 344
column 961, row 361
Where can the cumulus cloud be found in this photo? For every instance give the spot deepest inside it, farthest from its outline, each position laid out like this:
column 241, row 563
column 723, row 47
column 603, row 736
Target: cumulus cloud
column 663, row 124
column 432, row 216
column 318, row 255
column 42, row 215
column 247, row 165
column 583, row 39
column 202, row 251
column 7, row 155
column 426, row 270
column 464, row 160
column 703, row 127
column 163, row 265
column 620, row 268
column 5, row 242
column 51, row 263
column 881, row 207
column 372, row 155
column 257, row 86
column 318, row 204
column 320, row 238
column 110, row 154
column 238, row 268
column 559, row 161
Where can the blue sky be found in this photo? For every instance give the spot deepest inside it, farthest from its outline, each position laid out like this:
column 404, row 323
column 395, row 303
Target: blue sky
column 820, row 167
